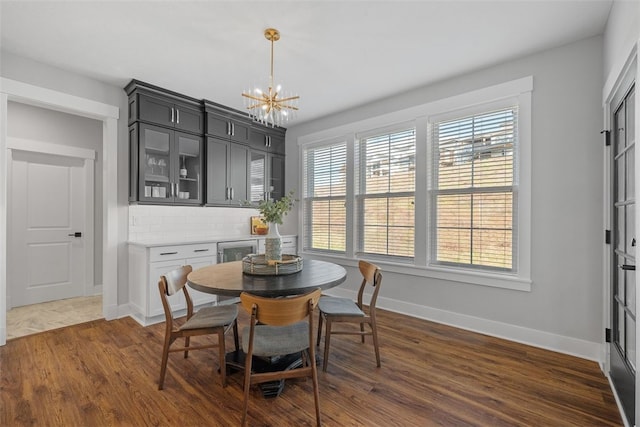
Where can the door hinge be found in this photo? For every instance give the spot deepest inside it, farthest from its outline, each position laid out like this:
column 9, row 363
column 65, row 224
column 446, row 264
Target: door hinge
column 607, row 335
column 607, row 237
column 607, row 137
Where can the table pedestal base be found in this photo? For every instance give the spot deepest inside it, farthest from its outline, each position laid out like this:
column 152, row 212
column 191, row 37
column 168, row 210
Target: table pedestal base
column 236, row 362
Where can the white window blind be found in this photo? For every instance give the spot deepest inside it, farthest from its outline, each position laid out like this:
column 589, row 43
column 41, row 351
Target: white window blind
column 473, row 191
column 325, row 184
column 386, row 196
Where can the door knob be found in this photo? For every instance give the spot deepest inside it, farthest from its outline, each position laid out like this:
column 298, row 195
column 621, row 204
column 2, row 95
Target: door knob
column 628, row 267
column 76, row 234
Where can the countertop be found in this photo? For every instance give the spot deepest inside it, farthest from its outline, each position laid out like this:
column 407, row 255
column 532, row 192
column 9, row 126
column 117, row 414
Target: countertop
column 151, row 243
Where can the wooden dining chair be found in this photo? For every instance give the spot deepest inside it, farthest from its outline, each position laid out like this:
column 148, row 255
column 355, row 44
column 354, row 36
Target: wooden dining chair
column 217, row 320
column 280, row 326
column 344, row 310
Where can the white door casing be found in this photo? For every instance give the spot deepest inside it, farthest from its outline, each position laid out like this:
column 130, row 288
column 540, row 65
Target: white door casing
column 13, row 90
column 50, row 199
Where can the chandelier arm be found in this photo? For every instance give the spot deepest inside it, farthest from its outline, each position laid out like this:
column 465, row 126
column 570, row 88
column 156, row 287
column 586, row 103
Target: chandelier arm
column 255, row 98
column 254, row 106
column 291, row 98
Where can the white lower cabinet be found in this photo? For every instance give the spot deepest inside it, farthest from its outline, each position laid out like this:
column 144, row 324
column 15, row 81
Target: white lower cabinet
column 147, row 264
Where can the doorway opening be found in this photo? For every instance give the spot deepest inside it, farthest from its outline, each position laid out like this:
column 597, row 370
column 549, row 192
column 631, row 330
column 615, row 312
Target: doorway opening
column 108, row 114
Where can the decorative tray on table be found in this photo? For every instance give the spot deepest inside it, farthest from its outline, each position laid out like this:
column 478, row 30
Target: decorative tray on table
column 259, row 266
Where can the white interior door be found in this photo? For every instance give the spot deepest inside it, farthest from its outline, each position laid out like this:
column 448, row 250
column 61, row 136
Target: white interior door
column 47, row 200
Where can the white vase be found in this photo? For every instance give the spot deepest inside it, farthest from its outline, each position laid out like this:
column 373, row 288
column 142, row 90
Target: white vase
column 273, row 244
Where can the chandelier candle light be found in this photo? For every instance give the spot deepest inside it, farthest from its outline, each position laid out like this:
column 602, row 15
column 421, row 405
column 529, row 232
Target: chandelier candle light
column 271, row 107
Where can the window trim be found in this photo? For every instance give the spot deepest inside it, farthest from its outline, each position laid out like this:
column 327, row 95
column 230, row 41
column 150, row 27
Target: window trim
column 520, row 91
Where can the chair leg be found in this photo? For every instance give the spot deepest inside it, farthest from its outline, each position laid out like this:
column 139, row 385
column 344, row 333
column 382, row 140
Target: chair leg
column 235, row 334
column 247, row 386
column 163, row 364
column 327, row 339
column 374, row 330
column 186, row 346
column 222, row 352
column 316, row 392
column 362, row 332
column 319, row 328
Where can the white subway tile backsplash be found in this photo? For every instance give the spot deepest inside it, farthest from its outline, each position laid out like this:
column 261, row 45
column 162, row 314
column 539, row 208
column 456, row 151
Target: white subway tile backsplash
column 183, row 222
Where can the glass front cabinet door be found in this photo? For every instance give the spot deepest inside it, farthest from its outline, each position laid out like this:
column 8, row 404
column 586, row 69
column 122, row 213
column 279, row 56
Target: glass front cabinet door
column 169, row 167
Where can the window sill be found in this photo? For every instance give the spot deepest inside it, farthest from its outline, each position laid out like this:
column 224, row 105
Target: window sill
column 495, row 280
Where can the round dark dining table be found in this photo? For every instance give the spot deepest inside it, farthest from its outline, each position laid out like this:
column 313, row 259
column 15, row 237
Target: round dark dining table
column 227, row 279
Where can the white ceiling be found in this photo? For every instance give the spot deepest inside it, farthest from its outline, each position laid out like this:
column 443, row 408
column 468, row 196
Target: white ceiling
column 334, row 54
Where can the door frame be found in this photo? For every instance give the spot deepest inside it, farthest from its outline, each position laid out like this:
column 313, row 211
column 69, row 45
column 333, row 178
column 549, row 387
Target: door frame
column 13, row 90
column 623, row 72
column 88, row 157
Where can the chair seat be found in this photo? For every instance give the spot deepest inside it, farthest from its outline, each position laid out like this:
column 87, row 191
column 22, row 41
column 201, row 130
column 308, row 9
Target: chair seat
column 277, row 340
column 339, row 306
column 209, row 317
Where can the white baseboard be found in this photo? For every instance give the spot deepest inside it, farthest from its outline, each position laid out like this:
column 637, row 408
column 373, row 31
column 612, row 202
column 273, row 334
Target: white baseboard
column 562, row 344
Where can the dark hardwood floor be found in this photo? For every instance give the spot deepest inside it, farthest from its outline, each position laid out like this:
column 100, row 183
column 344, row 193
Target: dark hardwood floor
column 105, row 374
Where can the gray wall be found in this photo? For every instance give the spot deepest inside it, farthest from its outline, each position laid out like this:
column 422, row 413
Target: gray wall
column 32, row 72
column 39, row 124
column 622, row 32
column 567, row 201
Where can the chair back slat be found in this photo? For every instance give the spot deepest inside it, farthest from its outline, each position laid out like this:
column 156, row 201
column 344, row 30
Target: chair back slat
column 177, row 279
column 280, row 311
column 368, row 271
column 372, row 275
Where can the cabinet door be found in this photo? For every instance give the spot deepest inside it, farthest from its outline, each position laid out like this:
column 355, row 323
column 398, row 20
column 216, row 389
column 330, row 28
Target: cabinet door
column 240, row 131
column 189, row 118
column 154, row 164
column 238, row 173
column 156, row 110
column 134, row 152
column 257, row 176
column 177, row 301
column 198, row 297
column 218, row 125
column 276, row 143
column 258, row 138
column 276, row 175
column 217, row 181
column 263, row 138
column 188, row 168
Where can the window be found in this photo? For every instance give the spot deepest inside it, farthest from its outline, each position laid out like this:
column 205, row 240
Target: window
column 472, row 191
column 325, row 190
column 386, row 193
column 440, row 190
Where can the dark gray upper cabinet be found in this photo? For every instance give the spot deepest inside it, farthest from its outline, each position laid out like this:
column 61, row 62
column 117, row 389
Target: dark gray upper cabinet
column 276, row 176
column 166, row 165
column 172, row 114
column 227, row 172
column 267, row 138
column 154, row 105
column 241, row 162
column 226, row 127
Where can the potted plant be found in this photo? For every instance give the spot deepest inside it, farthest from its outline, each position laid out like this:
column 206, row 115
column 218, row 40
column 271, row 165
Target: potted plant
column 273, row 212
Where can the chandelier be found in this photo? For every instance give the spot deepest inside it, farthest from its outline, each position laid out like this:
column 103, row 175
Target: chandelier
column 272, row 106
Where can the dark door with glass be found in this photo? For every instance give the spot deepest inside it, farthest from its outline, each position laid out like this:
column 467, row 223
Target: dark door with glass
column 623, row 280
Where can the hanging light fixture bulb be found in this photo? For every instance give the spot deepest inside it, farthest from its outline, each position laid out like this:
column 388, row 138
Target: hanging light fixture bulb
column 272, row 107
